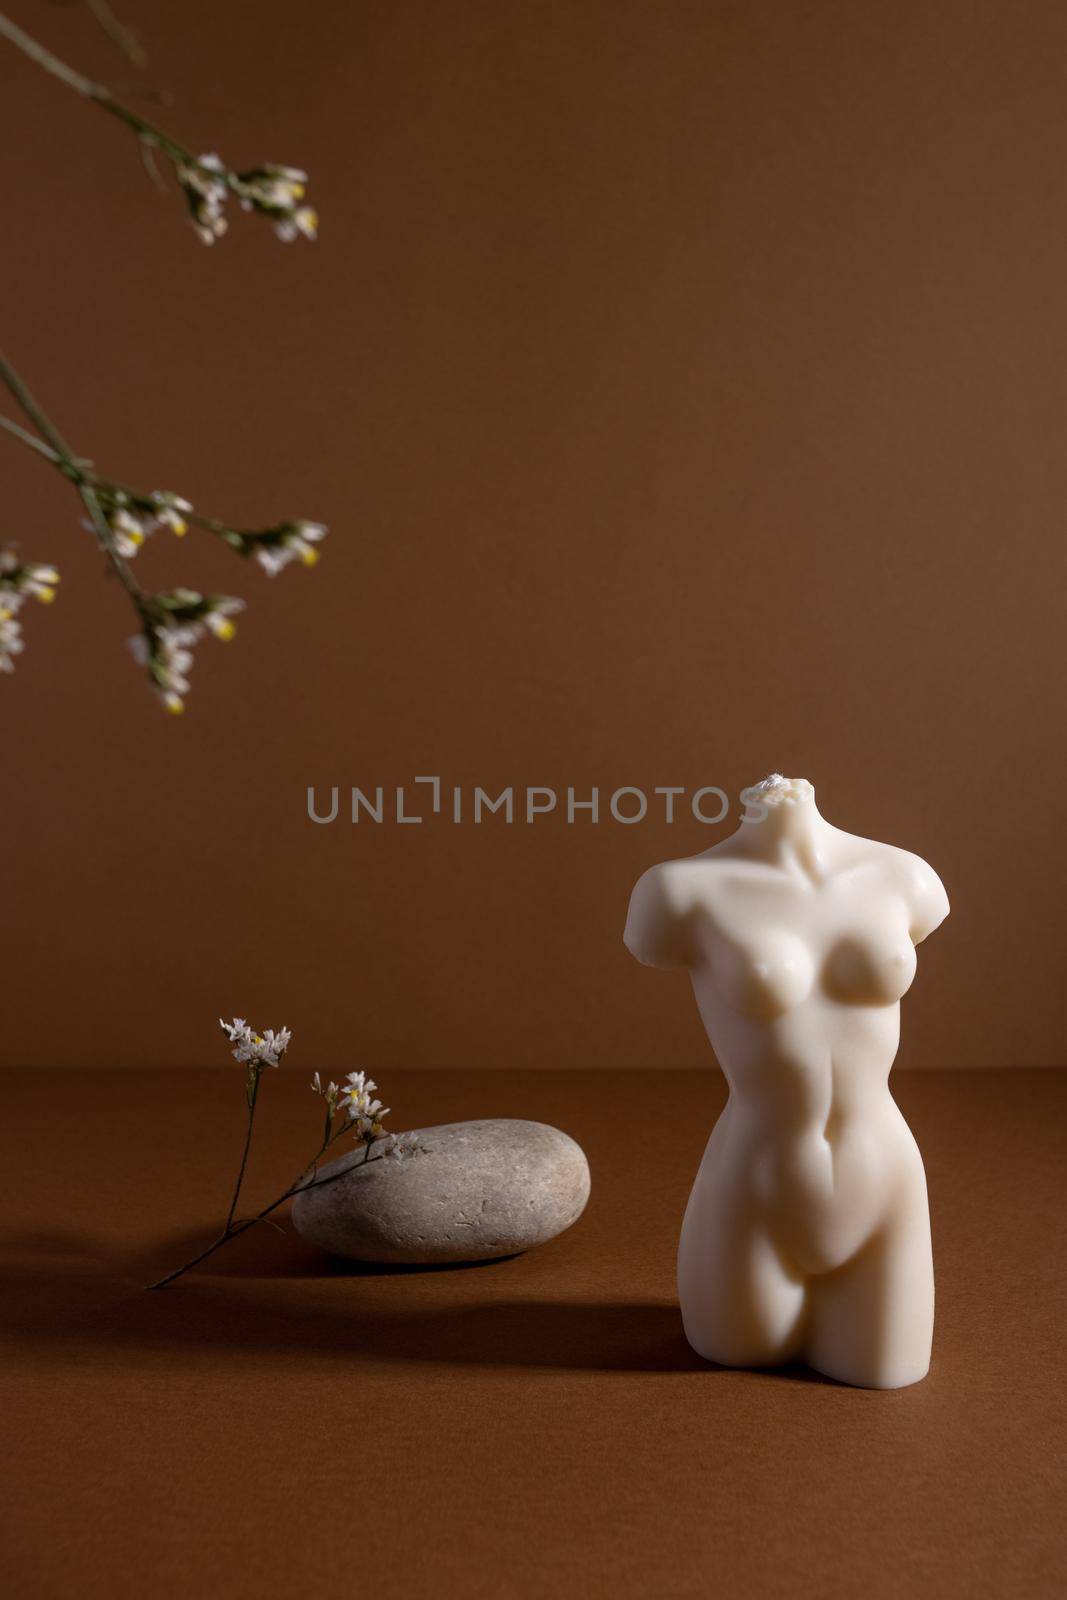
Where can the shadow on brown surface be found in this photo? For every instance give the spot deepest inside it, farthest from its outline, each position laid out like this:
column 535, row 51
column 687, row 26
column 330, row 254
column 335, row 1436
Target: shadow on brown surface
column 91, row 1298
column 276, row 1253
column 606, row 1338
column 599, row 1338
column 269, row 1252
column 611, row 1337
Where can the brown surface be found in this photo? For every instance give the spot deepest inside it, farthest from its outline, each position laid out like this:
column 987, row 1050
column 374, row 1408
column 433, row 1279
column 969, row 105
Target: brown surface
column 279, row 1425
column 684, row 383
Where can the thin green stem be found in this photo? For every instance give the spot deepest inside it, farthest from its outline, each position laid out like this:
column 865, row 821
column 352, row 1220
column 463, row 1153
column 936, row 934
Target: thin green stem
column 80, row 472
column 121, row 567
column 161, row 1283
column 44, row 58
column 83, row 470
column 92, row 90
column 253, row 1096
column 146, row 130
column 117, row 32
column 232, row 1231
column 63, row 458
column 43, row 423
column 28, row 438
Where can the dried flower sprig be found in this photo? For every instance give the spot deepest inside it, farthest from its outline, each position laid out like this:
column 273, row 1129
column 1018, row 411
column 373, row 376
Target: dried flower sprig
column 349, row 1108
column 274, row 548
column 173, row 623
column 134, row 515
column 356, row 1098
column 19, row 581
column 206, row 181
column 276, row 192
column 259, row 1050
column 123, row 519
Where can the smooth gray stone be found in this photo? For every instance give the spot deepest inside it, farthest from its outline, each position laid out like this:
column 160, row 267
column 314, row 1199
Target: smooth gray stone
column 474, row 1191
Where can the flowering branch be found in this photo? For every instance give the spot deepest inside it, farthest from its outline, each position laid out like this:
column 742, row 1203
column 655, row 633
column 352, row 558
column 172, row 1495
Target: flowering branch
column 365, row 1118
column 172, row 621
column 205, row 180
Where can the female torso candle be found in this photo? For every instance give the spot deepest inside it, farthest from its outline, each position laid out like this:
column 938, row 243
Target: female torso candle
column 807, row 1234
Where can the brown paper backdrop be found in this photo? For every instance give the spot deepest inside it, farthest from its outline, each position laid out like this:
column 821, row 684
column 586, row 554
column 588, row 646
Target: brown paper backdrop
column 685, row 387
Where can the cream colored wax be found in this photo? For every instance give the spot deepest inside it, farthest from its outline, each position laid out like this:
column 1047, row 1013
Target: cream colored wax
column 807, row 1233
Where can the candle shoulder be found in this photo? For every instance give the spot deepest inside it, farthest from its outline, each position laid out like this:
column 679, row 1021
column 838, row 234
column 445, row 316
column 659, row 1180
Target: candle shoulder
column 660, row 912
column 921, row 889
column 668, row 903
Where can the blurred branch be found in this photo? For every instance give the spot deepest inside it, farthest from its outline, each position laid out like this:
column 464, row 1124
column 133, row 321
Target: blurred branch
column 205, row 180
column 62, row 457
column 122, row 518
column 120, row 36
column 118, row 33
column 170, row 622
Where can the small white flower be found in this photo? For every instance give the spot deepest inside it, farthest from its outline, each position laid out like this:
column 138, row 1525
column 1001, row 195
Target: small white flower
column 276, row 1044
column 359, row 1083
column 277, row 192
column 11, row 640
column 369, row 1128
column 210, row 224
column 218, row 618
column 273, row 561
column 356, row 1091
column 300, row 221
column 402, row 1146
column 176, row 623
column 38, row 581
column 264, row 1049
column 205, row 187
column 290, row 541
column 282, row 187
column 328, row 1092
column 128, row 531
column 20, row 580
column 366, row 1113
column 166, row 651
column 170, row 511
